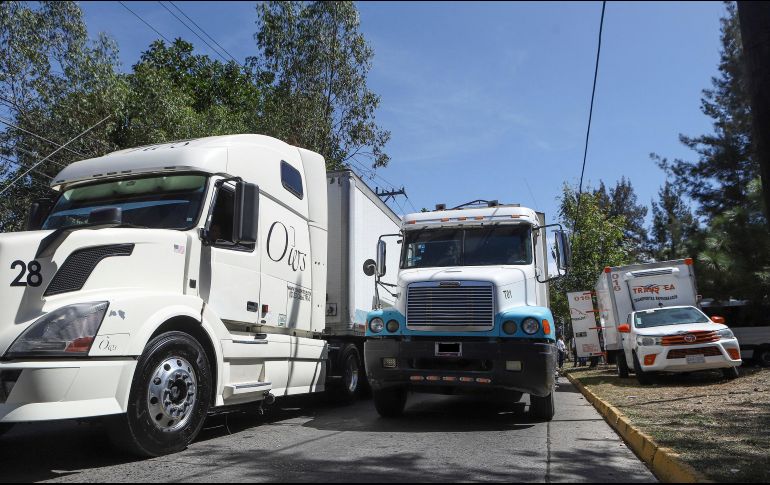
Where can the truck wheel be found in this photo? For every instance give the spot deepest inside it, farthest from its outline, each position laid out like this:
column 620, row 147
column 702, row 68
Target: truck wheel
column 390, row 403
column 5, row 427
column 644, row 378
column 542, row 407
column 730, row 373
column 352, row 374
column 622, row 365
column 763, row 356
column 170, row 397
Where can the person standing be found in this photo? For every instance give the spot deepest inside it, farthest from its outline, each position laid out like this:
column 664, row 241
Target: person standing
column 562, row 348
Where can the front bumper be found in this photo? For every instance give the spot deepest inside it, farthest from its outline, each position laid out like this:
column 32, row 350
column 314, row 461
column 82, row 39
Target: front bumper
column 50, row 390
column 672, row 358
column 481, row 366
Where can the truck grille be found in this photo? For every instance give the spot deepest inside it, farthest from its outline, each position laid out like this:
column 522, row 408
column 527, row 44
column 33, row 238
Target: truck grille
column 712, row 351
column 691, row 338
column 451, row 306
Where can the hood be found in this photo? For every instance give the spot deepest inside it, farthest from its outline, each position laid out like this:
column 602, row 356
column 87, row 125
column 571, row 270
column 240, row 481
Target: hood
column 677, row 329
column 87, row 266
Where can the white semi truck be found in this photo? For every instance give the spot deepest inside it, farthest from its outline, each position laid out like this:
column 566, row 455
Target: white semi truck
column 471, row 311
column 169, row 281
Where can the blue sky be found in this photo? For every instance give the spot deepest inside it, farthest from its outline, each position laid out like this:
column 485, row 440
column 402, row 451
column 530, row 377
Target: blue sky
column 490, row 100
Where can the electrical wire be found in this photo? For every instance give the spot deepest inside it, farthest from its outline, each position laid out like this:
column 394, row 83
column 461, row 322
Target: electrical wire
column 4, row 121
column 145, row 22
column 191, row 30
column 590, row 116
column 52, row 154
column 204, row 32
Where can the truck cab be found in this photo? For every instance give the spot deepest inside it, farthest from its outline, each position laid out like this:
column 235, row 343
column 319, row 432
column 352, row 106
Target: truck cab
column 471, row 308
column 163, row 282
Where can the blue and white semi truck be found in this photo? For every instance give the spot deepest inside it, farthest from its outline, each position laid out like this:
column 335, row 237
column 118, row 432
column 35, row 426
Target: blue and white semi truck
column 471, row 307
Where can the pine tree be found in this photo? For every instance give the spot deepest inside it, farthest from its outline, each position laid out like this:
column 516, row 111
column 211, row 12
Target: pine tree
column 673, row 225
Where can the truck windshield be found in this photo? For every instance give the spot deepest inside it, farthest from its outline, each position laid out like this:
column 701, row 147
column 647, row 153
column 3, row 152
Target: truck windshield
column 668, row 316
column 483, row 246
column 162, row 202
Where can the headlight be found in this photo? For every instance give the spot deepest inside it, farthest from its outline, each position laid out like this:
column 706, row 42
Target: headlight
column 392, row 326
column 68, row 331
column 509, row 327
column 376, row 325
column 726, row 334
column 648, row 341
column 530, row 326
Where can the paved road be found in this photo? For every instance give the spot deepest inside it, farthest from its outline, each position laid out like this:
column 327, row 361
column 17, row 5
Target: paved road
column 441, row 438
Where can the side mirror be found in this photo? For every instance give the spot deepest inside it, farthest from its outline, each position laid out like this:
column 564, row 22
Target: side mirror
column 563, row 251
column 717, row 319
column 107, row 215
column 381, row 253
column 624, row 328
column 37, row 214
column 245, row 213
column 370, row 266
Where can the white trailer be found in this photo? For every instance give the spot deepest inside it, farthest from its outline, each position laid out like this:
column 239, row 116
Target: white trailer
column 167, row 282
column 584, row 326
column 357, row 217
column 621, row 290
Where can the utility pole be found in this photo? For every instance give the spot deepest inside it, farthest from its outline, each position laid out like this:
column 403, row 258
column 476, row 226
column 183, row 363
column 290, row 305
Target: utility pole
column 755, row 33
column 388, row 194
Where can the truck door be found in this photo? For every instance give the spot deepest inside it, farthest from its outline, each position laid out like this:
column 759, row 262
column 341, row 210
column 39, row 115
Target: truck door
column 233, row 270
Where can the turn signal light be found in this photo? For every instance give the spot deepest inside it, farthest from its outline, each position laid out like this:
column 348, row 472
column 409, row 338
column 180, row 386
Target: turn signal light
column 650, row 359
column 546, row 327
column 734, row 354
column 80, row 345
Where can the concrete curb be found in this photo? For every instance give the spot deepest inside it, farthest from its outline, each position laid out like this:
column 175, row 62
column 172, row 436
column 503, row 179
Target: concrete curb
column 663, row 462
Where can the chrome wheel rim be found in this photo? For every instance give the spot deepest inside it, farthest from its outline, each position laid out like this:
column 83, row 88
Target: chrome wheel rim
column 172, row 394
column 351, row 374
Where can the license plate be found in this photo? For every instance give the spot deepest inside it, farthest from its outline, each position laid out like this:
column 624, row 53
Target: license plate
column 449, row 349
column 696, row 359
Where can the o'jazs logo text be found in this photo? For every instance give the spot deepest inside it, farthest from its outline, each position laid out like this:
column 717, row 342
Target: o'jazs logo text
column 280, row 245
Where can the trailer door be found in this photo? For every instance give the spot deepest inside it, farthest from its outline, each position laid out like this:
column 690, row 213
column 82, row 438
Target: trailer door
column 660, row 287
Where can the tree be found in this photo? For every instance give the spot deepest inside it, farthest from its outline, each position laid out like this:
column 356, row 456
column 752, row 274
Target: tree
column 732, row 257
column 674, row 228
column 621, row 200
column 598, row 243
column 317, row 62
column 54, row 81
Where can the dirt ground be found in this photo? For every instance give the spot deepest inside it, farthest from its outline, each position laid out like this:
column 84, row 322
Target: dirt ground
column 720, row 427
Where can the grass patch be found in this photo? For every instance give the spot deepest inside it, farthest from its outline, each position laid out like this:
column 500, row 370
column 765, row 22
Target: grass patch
column 719, row 427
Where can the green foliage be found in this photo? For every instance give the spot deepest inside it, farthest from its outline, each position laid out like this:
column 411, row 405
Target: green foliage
column 598, row 242
column 732, row 257
column 674, row 228
column 317, row 62
column 621, row 200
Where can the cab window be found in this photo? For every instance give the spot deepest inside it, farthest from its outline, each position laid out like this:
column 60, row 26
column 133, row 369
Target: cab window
column 291, row 180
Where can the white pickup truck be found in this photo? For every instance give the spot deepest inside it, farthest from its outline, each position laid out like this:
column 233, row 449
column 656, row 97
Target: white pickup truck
column 676, row 339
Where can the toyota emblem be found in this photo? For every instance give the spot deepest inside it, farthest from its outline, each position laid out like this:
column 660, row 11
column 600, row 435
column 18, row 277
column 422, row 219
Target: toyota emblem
column 689, row 338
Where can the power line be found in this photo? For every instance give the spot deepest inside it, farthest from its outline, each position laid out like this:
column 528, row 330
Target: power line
column 52, row 154
column 191, row 30
column 204, row 32
column 4, row 121
column 590, row 116
column 145, row 22
column 19, row 164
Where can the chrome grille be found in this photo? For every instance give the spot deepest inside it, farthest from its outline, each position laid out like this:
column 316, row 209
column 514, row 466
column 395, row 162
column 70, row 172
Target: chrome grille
column 450, row 306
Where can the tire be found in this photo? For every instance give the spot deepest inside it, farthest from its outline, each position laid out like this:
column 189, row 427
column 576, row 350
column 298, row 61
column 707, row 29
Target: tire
column 352, row 375
column 763, row 356
column 542, row 408
column 644, row 378
column 390, row 403
column 4, row 428
column 730, row 373
column 622, row 365
column 170, row 396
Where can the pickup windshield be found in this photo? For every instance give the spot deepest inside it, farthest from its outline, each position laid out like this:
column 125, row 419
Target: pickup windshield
column 161, row 202
column 483, row 246
column 668, row 316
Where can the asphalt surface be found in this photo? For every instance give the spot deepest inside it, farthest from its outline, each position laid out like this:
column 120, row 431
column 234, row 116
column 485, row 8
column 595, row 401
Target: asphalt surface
column 439, row 439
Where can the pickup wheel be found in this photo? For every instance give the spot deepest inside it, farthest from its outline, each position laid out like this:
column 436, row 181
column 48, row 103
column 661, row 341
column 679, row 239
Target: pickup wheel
column 5, row 427
column 170, row 397
column 730, row 373
column 644, row 378
column 390, row 403
column 622, row 365
column 542, row 408
column 763, row 356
